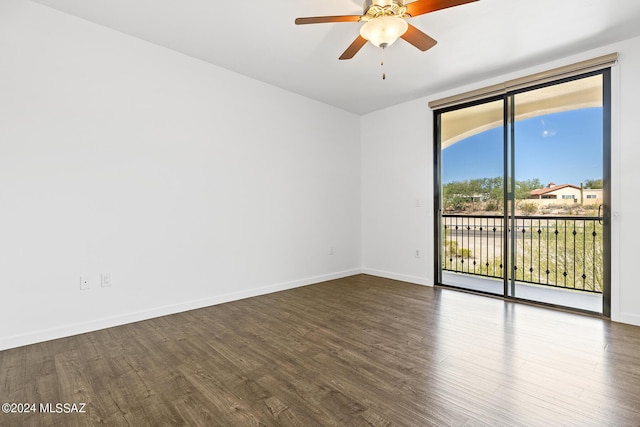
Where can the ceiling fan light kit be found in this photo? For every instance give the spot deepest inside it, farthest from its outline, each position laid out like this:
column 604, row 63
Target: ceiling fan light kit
column 382, row 32
column 385, row 21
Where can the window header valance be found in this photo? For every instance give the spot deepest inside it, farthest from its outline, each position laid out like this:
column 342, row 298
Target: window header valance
column 572, row 70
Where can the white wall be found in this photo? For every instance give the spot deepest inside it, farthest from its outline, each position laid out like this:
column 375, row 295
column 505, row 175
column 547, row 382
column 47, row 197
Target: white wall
column 397, row 169
column 397, row 188
column 190, row 184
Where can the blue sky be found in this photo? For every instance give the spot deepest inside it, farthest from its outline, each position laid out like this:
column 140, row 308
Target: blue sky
column 564, row 148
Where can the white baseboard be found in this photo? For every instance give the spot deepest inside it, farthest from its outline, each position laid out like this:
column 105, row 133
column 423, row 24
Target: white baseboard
column 630, row 319
column 108, row 322
column 396, row 276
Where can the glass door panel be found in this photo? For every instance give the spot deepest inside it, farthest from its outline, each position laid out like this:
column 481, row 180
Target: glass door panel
column 472, row 243
column 558, row 187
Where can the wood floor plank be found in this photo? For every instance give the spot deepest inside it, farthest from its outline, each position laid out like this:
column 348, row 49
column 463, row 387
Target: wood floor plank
column 355, row 351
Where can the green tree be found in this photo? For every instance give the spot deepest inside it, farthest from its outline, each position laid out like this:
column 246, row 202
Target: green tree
column 523, row 188
column 495, row 191
column 455, row 203
column 458, row 195
column 593, row 183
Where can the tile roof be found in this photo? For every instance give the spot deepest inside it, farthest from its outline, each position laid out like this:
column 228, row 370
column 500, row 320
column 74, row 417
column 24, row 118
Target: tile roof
column 541, row 191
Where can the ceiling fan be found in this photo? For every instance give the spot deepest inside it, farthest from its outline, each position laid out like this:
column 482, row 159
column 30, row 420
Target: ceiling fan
column 385, row 21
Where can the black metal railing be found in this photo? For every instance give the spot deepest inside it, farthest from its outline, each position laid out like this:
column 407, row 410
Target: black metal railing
column 557, row 251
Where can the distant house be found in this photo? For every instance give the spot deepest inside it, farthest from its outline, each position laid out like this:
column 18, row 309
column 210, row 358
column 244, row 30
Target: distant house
column 566, row 194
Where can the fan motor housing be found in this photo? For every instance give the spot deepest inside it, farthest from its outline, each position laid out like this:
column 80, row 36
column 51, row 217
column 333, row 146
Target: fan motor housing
column 369, row 3
column 378, row 8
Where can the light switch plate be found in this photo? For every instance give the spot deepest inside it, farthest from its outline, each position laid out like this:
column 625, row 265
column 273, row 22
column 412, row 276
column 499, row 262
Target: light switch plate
column 105, row 280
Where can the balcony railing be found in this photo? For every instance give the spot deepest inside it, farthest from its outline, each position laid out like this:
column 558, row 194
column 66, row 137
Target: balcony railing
column 560, row 252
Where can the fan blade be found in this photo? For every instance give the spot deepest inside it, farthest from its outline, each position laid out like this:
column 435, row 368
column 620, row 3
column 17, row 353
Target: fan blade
column 323, row 19
column 354, row 48
column 420, row 7
column 418, row 38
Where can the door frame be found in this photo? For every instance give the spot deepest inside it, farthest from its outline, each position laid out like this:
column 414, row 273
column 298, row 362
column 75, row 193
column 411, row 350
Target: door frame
column 508, row 176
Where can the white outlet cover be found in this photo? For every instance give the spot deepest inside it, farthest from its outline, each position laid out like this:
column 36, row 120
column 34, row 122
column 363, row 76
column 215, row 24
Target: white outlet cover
column 84, row 283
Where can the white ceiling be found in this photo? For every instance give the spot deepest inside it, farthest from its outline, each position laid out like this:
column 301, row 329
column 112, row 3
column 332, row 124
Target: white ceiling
column 258, row 38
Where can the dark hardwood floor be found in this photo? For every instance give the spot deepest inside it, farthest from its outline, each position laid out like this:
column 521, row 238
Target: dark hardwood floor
column 349, row 352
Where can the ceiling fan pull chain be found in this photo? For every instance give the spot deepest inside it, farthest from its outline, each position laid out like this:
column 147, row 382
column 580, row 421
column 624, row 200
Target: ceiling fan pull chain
column 384, row 75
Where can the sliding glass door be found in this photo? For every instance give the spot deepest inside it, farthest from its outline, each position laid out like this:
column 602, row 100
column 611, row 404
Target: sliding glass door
column 472, row 164
column 522, row 194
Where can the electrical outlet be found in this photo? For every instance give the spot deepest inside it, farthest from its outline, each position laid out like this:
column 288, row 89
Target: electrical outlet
column 105, row 280
column 84, row 283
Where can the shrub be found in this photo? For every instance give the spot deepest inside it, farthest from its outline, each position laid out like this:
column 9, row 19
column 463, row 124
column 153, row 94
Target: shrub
column 528, row 208
column 464, row 253
column 451, row 247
